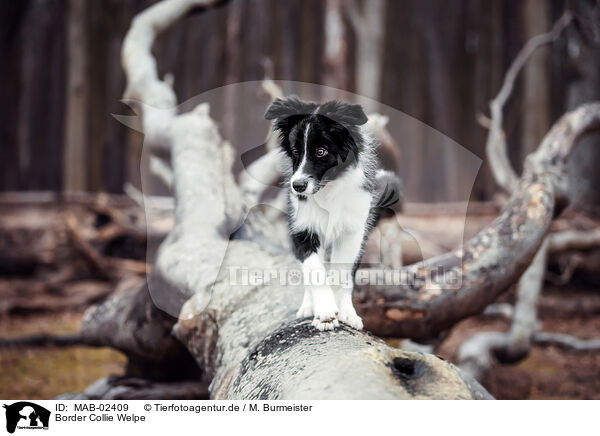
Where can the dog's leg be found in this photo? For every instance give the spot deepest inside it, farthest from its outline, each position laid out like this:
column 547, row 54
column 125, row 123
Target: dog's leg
column 345, row 255
column 305, row 244
column 306, row 309
column 318, row 296
column 324, row 307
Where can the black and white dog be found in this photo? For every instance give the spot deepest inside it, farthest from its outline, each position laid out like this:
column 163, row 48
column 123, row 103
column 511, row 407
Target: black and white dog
column 336, row 194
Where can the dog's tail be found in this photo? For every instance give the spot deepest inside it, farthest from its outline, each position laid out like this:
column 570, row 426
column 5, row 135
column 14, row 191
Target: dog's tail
column 388, row 188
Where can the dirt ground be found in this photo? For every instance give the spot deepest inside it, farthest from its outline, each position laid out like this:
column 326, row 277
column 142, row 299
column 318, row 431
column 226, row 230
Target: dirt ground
column 548, row 372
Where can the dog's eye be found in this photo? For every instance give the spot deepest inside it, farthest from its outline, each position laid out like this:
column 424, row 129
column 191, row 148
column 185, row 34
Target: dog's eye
column 321, row 151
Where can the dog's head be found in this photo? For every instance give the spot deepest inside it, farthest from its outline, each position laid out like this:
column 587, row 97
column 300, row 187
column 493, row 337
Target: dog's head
column 321, row 141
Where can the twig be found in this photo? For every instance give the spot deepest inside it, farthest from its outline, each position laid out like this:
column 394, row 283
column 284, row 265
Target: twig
column 45, row 340
column 91, row 256
column 107, row 267
column 565, row 341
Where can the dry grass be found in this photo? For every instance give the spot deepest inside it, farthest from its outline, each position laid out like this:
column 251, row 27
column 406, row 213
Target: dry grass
column 43, row 373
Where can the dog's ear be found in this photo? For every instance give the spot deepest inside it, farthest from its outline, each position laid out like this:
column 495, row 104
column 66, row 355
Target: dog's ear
column 287, row 107
column 344, row 113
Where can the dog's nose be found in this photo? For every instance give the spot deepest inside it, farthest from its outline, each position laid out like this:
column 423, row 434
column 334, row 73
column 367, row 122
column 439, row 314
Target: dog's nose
column 300, row 185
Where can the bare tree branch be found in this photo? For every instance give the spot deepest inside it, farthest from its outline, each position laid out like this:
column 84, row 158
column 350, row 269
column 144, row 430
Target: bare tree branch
column 272, row 89
column 43, row 340
column 131, row 388
column 567, row 342
column 354, row 13
column 492, row 260
column 496, row 150
column 475, row 355
column 503, row 310
column 574, row 240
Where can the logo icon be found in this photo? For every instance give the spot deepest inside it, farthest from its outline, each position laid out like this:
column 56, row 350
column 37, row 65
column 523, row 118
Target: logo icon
column 26, row 415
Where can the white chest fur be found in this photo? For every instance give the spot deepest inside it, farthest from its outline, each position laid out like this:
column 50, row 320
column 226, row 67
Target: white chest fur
column 341, row 207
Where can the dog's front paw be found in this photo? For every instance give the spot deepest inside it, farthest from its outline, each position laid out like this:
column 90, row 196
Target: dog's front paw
column 325, row 309
column 326, row 319
column 348, row 316
column 353, row 321
column 327, row 324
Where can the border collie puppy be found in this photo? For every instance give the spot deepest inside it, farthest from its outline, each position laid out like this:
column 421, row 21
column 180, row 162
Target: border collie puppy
column 335, row 196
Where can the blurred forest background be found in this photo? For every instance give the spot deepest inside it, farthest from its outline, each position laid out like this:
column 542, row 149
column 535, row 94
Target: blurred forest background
column 440, row 62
